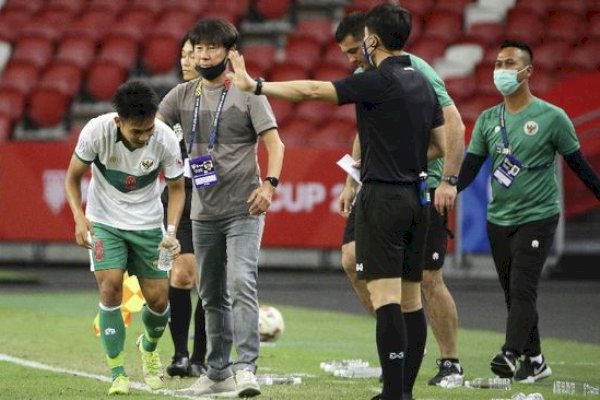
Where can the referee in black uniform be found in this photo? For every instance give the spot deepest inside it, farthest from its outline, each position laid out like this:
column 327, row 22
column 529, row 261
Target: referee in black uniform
column 399, row 123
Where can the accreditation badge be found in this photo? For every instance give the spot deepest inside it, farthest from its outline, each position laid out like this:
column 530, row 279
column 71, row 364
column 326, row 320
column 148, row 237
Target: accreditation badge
column 203, row 171
column 507, row 171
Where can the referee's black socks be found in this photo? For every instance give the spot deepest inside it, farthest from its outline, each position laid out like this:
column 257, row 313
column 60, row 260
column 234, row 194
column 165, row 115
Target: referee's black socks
column 416, row 329
column 181, row 313
column 391, row 346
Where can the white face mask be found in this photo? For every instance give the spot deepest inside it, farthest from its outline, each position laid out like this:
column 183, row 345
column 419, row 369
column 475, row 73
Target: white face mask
column 506, row 80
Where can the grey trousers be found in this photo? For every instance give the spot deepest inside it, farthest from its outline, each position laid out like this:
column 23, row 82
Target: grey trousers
column 227, row 253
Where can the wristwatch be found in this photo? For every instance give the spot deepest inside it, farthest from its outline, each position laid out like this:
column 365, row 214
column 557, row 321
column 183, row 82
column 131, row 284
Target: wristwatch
column 259, row 82
column 272, row 180
column 451, row 179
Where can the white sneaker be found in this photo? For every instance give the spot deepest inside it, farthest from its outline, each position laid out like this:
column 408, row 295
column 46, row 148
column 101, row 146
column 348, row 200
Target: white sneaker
column 247, row 384
column 206, row 386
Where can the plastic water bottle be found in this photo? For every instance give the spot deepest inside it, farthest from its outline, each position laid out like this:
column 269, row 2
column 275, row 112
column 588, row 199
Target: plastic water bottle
column 489, row 383
column 362, row 372
column 278, row 380
column 534, row 396
column 330, row 366
column 518, row 396
column 165, row 256
column 589, row 390
column 564, row 387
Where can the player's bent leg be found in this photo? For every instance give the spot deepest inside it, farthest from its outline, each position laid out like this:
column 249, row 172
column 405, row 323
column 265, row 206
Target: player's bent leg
column 359, row 285
column 155, row 317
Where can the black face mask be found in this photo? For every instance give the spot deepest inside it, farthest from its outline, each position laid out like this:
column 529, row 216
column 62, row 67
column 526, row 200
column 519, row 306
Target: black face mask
column 213, row 72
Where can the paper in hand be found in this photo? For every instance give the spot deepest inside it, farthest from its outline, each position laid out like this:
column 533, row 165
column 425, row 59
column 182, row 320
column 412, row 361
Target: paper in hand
column 347, row 164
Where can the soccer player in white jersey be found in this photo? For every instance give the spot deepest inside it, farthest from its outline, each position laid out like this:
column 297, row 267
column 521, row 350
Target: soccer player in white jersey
column 122, row 223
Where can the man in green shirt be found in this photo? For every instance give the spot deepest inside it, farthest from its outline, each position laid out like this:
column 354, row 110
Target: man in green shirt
column 439, row 304
column 522, row 136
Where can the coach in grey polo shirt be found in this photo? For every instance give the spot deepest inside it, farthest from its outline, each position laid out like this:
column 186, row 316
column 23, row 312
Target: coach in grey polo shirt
column 221, row 127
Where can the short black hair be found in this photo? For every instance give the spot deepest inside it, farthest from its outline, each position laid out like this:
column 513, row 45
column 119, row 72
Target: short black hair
column 184, row 40
column 391, row 23
column 352, row 24
column 135, row 100
column 214, row 31
column 519, row 45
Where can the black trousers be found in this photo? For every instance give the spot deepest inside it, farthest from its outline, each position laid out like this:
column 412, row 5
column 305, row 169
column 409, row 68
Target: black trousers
column 519, row 253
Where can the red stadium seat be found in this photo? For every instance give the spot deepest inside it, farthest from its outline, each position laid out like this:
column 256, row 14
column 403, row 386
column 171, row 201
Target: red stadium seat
column 296, row 132
column 256, row 69
column 594, row 26
column 111, row 6
column 550, row 55
column 10, row 22
column 270, row 9
column 486, row 33
column 579, row 7
column 92, row 24
column 44, row 29
column 490, row 55
column 418, row 8
column 161, row 52
column 326, row 72
column 471, row 109
column 262, row 56
column 524, row 25
column 334, row 134
column 177, row 22
column 444, row 26
column 585, row 57
column 103, row 79
column 120, row 51
column 73, row 7
column 457, row 6
column 138, row 17
column 76, row 50
column 6, row 125
column 29, row 6
column 461, row 88
column 48, row 106
column 565, row 25
column 314, row 112
column 55, row 16
column 12, row 102
column 334, row 56
column 65, row 77
column 542, row 80
column 192, row 7
column 287, row 72
column 282, row 109
column 21, row 75
column 538, row 7
column 231, row 16
column 484, row 77
column 428, row 48
column 345, row 113
column 154, row 6
column 36, row 50
column 303, row 51
column 364, row 5
column 320, row 30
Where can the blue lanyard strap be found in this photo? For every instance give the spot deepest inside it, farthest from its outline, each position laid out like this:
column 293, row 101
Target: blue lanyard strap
column 504, row 135
column 215, row 124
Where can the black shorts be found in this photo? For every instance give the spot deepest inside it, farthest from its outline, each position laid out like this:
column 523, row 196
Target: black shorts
column 184, row 230
column 436, row 243
column 391, row 227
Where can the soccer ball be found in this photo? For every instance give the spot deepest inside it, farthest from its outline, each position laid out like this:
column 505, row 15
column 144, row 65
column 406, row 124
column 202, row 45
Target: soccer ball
column 270, row 324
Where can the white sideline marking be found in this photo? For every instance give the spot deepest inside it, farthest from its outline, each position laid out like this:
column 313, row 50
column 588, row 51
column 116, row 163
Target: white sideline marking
column 102, row 378
column 577, row 364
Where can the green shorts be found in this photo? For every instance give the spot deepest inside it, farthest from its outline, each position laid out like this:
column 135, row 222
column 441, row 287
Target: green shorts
column 133, row 251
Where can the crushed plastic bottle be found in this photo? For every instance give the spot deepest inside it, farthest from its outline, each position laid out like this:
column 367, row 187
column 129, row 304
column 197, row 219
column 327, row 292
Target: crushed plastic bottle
column 363, row 372
column 489, row 383
column 278, row 380
column 452, row 381
column 330, row 366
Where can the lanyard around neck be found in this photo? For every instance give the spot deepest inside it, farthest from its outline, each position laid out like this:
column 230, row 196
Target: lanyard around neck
column 504, row 135
column 215, row 124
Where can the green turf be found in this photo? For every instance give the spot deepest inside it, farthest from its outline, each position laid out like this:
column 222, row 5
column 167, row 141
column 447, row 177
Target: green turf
column 56, row 329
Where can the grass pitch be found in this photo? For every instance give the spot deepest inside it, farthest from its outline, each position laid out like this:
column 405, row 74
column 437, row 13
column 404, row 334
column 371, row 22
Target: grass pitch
column 56, row 329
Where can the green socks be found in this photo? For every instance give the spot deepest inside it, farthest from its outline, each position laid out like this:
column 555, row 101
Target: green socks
column 112, row 336
column 155, row 325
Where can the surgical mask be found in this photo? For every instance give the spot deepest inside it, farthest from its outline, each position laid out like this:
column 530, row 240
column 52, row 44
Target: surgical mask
column 213, row 72
column 506, row 80
column 366, row 54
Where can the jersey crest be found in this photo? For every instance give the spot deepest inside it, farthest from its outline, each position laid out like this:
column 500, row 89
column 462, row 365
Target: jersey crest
column 531, row 128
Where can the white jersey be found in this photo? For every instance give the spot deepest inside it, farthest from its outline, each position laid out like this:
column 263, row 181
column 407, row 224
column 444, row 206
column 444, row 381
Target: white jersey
column 124, row 191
